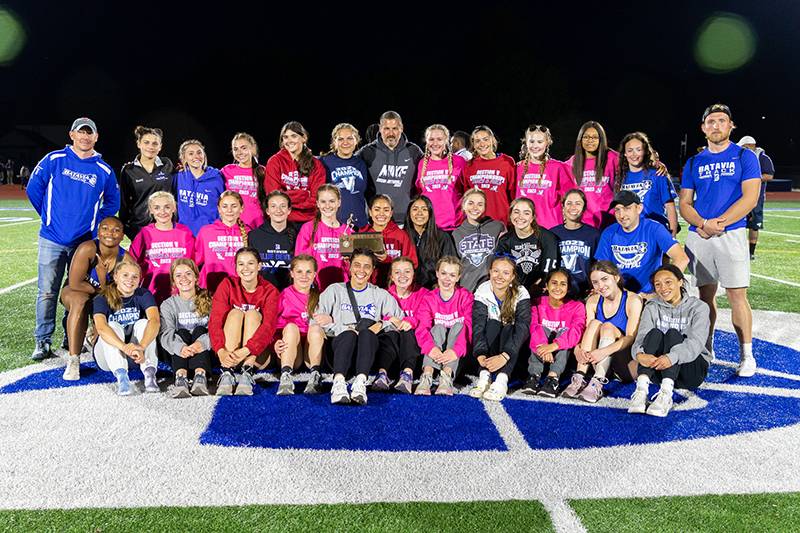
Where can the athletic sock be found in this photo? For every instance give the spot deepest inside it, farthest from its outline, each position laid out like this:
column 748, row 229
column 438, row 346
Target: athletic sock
column 484, row 376
column 642, row 382
column 605, row 341
column 601, row 368
column 502, row 379
column 752, row 248
column 314, row 368
column 667, row 384
column 746, row 349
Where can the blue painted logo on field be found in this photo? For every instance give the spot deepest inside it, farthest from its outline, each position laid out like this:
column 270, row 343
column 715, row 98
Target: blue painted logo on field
column 402, row 423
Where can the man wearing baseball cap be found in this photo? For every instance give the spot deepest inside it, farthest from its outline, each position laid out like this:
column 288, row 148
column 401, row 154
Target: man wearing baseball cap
column 72, row 190
column 755, row 220
column 637, row 244
column 719, row 186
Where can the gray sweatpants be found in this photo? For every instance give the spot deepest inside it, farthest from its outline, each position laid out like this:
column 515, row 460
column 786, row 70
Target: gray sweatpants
column 445, row 338
column 536, row 366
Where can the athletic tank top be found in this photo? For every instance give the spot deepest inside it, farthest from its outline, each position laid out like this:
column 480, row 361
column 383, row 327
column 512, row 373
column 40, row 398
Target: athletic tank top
column 92, row 277
column 620, row 318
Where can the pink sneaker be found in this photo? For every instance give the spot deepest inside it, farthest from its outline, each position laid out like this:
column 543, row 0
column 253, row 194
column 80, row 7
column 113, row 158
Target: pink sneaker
column 575, row 386
column 593, row 391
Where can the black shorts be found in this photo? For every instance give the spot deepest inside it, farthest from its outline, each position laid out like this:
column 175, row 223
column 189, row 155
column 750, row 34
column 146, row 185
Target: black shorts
column 755, row 220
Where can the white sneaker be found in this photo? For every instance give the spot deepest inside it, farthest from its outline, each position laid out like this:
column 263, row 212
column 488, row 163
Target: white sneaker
column 73, row 370
column 358, row 393
column 747, row 366
column 496, row 392
column 661, row 405
column 150, row 382
column 638, row 403
column 339, row 392
column 479, row 389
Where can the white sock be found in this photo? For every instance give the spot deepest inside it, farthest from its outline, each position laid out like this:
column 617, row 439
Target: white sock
column 642, row 382
column 484, row 376
column 502, row 379
column 361, row 377
column 746, row 349
column 601, row 368
column 605, row 341
column 73, row 357
column 337, row 378
column 667, row 385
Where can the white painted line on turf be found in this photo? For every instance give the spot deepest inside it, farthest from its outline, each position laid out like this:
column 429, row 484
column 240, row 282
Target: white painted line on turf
column 751, row 389
column 790, row 240
column 508, row 430
column 762, row 371
column 18, row 285
column 780, row 234
column 782, row 216
column 29, row 221
column 776, row 280
column 563, row 516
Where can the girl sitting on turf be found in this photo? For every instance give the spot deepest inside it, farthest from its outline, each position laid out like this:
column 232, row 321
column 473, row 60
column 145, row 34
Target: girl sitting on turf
column 444, row 328
column 396, row 241
column 217, row 243
column 184, row 330
column 557, row 324
column 501, row 323
column 296, row 308
column 612, row 319
column 127, row 322
column 243, row 314
column 355, row 315
column 476, row 239
column 671, row 344
column 404, row 289
column 158, row 244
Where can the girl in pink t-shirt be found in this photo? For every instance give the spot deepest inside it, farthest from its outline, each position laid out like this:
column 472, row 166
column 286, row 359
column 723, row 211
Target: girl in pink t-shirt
column 439, row 177
column 540, row 178
column 294, row 331
column 246, row 177
column 158, row 244
column 217, row 243
column 319, row 238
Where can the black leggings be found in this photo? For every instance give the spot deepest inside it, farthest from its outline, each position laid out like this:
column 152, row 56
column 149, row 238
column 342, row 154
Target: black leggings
column 686, row 375
column 404, row 350
column 201, row 360
column 363, row 347
column 497, row 336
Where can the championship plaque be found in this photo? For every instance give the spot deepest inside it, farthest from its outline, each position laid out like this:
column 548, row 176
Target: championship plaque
column 372, row 240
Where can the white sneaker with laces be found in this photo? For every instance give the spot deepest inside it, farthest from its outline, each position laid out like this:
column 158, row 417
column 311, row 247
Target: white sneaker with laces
column 339, row 393
column 358, row 393
column 72, row 372
column 638, row 403
column 480, row 388
column 496, row 392
column 661, row 404
column 747, row 366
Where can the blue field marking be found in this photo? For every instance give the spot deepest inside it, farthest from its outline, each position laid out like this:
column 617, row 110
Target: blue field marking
column 391, row 422
column 90, row 375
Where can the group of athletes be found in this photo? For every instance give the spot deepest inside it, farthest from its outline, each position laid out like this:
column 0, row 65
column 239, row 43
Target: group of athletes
column 489, row 266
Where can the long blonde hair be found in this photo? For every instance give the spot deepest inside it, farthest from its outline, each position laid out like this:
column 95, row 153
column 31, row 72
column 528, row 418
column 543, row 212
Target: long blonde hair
column 447, row 150
column 110, row 291
column 525, row 154
column 508, row 310
column 202, row 298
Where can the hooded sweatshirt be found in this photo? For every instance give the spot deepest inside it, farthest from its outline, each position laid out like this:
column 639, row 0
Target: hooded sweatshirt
column 534, row 255
column 282, row 174
column 425, row 274
column 214, row 252
column 393, row 172
column 487, row 309
column 495, row 177
column 72, row 195
column 598, row 197
column 435, row 311
column 177, row 313
column 545, row 190
column 690, row 317
column 444, row 187
column 397, row 243
column 241, row 180
column 474, row 245
column 197, row 197
column 352, row 178
column 410, row 304
column 136, row 185
column 567, row 321
column 276, row 249
column 231, row 295
column 373, row 303
column 325, row 249
column 155, row 250
column 293, row 309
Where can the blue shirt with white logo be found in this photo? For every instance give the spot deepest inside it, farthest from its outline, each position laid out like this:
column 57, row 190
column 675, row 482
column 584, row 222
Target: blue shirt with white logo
column 654, row 191
column 717, row 180
column 350, row 176
column 133, row 308
column 638, row 253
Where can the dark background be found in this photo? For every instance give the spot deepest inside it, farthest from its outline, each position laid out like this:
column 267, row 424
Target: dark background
column 207, row 73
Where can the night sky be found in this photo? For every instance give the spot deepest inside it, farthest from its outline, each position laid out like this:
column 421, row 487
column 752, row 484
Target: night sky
column 208, row 74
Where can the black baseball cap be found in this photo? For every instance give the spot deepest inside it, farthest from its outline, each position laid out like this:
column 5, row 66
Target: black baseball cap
column 625, row 198
column 717, row 108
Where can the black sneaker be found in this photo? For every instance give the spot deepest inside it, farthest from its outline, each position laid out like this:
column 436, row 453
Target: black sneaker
column 550, row 387
column 42, row 351
column 531, row 387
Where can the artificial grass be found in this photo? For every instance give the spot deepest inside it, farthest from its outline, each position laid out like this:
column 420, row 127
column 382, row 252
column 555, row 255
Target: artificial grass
column 712, row 513
column 377, row 517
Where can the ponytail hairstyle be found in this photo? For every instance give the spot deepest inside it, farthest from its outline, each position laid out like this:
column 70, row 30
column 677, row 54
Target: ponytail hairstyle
column 486, row 129
column 110, row 291
column 433, row 243
column 524, row 153
column 202, row 298
column 385, row 198
column 158, row 195
column 509, row 306
column 406, row 259
column 247, row 250
column 609, row 268
column 339, row 127
column 305, row 161
column 675, row 271
column 242, row 227
column 186, row 144
column 537, row 231
column 258, row 170
column 649, row 157
column 328, row 187
column 141, row 131
column 447, row 151
column 579, row 160
column 580, row 193
column 313, row 293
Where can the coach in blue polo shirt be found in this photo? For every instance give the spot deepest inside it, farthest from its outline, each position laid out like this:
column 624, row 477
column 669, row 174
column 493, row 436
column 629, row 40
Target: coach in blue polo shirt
column 637, row 245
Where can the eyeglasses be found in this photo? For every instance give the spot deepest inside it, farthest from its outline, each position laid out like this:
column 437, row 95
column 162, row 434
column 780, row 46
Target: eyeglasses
column 590, row 138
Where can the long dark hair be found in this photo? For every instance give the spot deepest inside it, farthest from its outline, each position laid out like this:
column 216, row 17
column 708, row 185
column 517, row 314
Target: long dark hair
column 601, row 157
column 433, row 243
column 305, row 161
column 648, row 157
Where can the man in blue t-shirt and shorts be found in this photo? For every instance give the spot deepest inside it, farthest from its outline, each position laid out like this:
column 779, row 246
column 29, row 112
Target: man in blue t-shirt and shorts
column 719, row 187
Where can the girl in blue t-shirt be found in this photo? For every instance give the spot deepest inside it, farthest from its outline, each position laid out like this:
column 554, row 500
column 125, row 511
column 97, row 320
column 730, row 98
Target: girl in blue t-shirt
column 348, row 172
column 127, row 322
column 638, row 173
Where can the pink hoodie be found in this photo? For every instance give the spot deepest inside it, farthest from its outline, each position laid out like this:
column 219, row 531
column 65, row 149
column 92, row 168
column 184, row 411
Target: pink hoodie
column 214, row 252
column 325, row 249
column 410, row 304
column 598, row 197
column 545, row 191
column 570, row 317
column 155, row 250
column 443, row 189
column 242, row 181
column 293, row 309
column 433, row 310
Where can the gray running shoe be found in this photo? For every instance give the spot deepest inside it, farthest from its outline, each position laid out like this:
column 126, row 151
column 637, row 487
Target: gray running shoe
column 381, row 382
column 404, row 383
column 244, row 384
column 358, row 392
column 445, row 387
column 200, row 385
column 286, row 386
column 576, row 385
column 424, row 385
column 42, row 351
column 150, row 383
column 314, row 382
column 226, row 384
column 180, row 389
